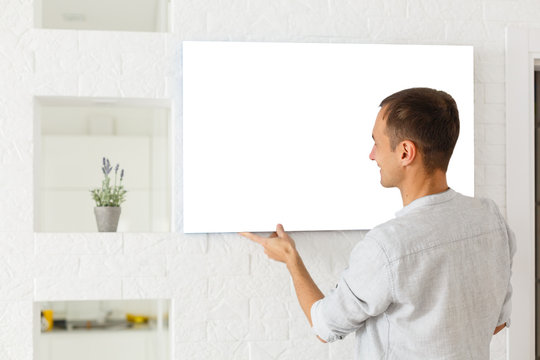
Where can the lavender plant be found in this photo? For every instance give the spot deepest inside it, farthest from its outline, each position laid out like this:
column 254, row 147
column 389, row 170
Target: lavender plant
column 109, row 195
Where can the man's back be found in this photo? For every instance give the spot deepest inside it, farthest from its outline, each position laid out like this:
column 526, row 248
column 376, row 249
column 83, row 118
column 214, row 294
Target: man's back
column 434, row 283
column 429, row 284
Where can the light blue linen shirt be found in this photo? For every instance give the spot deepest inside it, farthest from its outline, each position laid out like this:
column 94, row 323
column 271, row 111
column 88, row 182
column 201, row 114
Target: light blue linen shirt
column 433, row 283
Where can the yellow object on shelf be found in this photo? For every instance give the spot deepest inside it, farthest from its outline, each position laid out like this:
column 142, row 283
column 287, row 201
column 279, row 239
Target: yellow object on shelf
column 48, row 317
column 137, row 319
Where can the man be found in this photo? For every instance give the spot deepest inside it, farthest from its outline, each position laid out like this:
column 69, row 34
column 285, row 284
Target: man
column 432, row 283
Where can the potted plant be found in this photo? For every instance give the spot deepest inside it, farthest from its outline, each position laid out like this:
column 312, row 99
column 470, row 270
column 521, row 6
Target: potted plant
column 108, row 198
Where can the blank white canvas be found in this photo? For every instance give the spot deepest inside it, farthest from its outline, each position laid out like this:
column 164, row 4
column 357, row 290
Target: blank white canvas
column 281, row 132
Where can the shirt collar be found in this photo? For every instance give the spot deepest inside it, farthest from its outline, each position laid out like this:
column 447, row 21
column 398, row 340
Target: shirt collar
column 427, row 200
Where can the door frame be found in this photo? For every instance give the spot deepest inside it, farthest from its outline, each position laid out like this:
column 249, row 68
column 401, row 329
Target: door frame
column 522, row 50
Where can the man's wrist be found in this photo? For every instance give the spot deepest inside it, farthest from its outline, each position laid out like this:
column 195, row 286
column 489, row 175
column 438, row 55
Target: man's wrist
column 293, row 260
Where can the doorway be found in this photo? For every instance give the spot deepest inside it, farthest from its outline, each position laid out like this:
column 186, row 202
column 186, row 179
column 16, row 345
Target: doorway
column 522, row 53
column 536, row 89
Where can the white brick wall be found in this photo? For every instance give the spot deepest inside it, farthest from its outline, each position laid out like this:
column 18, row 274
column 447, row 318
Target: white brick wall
column 229, row 301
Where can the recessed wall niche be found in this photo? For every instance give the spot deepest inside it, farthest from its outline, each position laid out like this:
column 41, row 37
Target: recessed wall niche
column 118, row 15
column 102, row 329
column 73, row 135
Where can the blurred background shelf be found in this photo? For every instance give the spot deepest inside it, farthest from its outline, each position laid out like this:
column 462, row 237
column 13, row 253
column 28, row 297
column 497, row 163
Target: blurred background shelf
column 118, row 15
column 74, row 134
column 106, row 330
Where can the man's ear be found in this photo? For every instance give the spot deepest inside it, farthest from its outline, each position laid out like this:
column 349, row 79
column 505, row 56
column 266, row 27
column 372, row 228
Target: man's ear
column 407, row 152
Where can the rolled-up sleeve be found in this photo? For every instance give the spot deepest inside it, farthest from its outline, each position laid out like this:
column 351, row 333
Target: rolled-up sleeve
column 364, row 290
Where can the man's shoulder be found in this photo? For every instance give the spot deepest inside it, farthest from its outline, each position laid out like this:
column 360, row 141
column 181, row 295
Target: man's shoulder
column 481, row 203
column 478, row 207
column 434, row 224
column 457, row 208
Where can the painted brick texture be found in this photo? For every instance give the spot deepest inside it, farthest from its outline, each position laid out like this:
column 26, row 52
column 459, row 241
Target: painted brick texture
column 229, row 301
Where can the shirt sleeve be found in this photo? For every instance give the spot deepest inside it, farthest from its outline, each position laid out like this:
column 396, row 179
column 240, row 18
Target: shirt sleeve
column 364, row 290
column 506, row 311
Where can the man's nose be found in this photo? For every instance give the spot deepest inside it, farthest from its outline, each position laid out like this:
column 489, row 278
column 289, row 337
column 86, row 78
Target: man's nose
column 372, row 153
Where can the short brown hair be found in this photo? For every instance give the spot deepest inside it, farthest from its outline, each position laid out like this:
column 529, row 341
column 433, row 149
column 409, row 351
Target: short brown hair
column 427, row 117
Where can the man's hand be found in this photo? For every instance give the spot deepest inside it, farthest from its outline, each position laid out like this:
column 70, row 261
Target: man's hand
column 499, row 328
column 279, row 246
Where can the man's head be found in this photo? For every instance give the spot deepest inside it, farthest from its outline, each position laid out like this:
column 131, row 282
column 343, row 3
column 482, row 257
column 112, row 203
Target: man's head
column 414, row 123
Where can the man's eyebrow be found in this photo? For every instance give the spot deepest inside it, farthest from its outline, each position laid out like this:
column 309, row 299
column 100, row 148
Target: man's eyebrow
column 373, row 136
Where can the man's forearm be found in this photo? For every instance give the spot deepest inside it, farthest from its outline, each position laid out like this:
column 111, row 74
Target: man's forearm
column 307, row 291
column 280, row 247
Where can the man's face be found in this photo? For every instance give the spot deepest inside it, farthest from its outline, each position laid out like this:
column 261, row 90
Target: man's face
column 387, row 159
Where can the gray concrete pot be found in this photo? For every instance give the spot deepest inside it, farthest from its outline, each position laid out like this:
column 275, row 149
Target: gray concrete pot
column 107, row 218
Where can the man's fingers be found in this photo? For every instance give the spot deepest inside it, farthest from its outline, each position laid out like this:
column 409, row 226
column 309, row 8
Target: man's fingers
column 280, row 230
column 258, row 239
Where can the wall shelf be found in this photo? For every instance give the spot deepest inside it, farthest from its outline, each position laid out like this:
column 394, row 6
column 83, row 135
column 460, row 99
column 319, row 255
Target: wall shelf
column 72, row 137
column 136, row 343
column 125, row 15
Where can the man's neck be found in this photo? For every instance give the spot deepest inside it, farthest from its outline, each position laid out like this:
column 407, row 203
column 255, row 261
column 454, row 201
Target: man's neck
column 422, row 185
